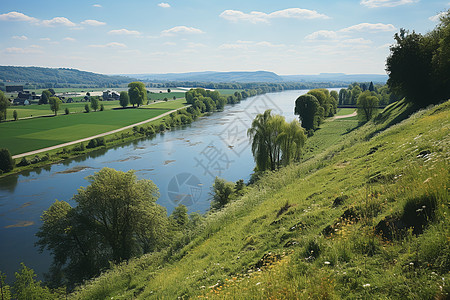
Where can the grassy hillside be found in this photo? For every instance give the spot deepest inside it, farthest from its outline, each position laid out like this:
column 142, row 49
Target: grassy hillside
column 365, row 216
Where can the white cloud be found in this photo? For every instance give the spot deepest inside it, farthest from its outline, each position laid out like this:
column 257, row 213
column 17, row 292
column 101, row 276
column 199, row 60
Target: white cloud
column 437, row 17
column 17, row 16
column 322, row 35
column 27, row 50
column 181, row 30
column 93, row 23
column 124, row 32
column 370, row 27
column 45, row 39
column 385, row 3
column 97, row 5
column 164, row 5
column 58, row 21
column 195, row 45
column 169, row 44
column 21, row 37
column 69, row 39
column 260, row 17
column 109, row 45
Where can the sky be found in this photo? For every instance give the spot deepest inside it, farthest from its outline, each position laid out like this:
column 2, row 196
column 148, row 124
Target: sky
column 172, row 36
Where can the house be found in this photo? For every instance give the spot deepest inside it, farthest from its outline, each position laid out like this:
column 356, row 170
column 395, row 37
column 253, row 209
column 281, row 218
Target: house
column 20, row 101
column 14, row 88
column 110, row 95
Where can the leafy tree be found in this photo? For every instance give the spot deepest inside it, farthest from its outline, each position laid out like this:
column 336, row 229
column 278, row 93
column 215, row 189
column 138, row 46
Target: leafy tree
column 168, row 90
column 116, row 218
column 291, row 140
column 26, row 286
column 52, row 92
column 66, row 111
column 367, row 105
column 15, row 116
column 137, row 93
column 180, row 215
column 4, row 103
column 46, row 94
column 124, row 100
column 86, row 108
column 102, row 107
column 94, row 103
column 222, row 191
column 5, row 289
column 6, row 160
column 371, row 87
column 55, row 104
column 418, row 65
column 307, row 108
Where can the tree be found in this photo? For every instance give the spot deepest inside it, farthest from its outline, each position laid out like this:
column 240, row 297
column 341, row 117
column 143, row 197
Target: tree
column 6, row 160
column 66, row 111
column 307, row 108
column 291, row 140
column 180, row 216
column 418, row 65
column 168, row 90
column 45, row 96
column 116, row 218
column 5, row 289
column 26, row 287
column 124, row 99
column 222, row 191
column 94, row 103
column 55, row 104
column 4, row 103
column 367, row 105
column 15, row 115
column 86, row 108
column 137, row 93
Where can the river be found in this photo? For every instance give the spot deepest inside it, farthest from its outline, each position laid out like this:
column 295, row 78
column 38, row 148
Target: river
column 182, row 163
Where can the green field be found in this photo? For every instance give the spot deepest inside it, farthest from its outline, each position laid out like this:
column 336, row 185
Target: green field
column 32, row 134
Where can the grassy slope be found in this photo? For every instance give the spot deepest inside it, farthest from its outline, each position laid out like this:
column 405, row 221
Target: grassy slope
column 249, row 251
column 27, row 135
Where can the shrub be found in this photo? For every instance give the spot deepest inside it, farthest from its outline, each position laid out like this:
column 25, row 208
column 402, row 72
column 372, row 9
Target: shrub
column 86, row 108
column 35, row 159
column 66, row 111
column 6, row 161
column 79, row 147
column 24, row 162
column 102, row 107
column 15, row 116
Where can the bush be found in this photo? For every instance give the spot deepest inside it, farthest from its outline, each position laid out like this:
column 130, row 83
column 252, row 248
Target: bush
column 86, row 108
column 23, row 162
column 79, row 147
column 97, row 142
column 6, row 161
column 35, row 159
column 102, row 107
column 66, row 111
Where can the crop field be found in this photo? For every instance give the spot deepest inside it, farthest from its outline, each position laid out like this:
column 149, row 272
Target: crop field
column 32, row 134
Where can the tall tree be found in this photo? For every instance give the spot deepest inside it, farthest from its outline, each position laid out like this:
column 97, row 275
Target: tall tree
column 116, row 217
column 4, row 103
column 55, row 104
column 307, row 108
column 291, row 140
column 124, row 100
column 45, row 96
column 367, row 105
column 6, row 161
column 137, row 93
column 94, row 103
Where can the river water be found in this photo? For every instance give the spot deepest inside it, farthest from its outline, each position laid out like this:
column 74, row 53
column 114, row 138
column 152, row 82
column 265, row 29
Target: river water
column 182, row 163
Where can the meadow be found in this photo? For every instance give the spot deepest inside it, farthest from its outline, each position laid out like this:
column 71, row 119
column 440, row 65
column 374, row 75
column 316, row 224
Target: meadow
column 32, row 134
column 317, row 230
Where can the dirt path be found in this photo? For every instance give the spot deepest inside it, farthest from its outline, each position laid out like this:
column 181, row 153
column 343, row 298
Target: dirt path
column 344, row 116
column 96, row 136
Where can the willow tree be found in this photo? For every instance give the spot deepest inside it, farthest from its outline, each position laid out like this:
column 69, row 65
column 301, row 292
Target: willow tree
column 274, row 141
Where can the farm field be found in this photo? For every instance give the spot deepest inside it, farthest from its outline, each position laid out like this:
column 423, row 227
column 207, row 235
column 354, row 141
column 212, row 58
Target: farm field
column 28, row 135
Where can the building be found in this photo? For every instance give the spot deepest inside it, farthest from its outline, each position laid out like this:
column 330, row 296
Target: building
column 110, row 95
column 14, row 88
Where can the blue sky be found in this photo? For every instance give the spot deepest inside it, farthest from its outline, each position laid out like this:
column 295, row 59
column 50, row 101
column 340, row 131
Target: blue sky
column 137, row 36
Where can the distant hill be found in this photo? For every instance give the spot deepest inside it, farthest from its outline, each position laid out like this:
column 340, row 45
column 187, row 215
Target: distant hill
column 211, row 76
column 260, row 76
column 337, row 77
column 61, row 76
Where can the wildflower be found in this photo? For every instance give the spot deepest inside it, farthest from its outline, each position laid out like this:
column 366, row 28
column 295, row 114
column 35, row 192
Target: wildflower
column 258, row 283
column 326, row 262
column 366, row 285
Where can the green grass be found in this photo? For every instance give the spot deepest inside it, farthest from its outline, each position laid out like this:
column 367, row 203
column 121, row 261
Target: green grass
column 249, row 251
column 28, row 135
column 344, row 111
column 161, row 96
